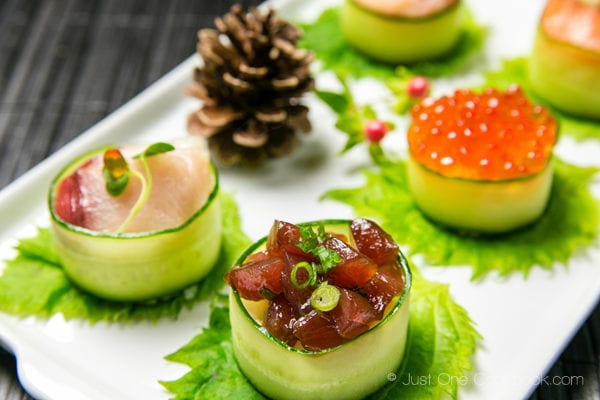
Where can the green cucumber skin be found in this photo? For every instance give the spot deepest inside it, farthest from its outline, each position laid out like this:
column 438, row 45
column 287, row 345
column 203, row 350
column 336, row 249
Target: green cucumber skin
column 480, row 206
column 401, row 40
column 350, row 371
column 141, row 268
column 566, row 76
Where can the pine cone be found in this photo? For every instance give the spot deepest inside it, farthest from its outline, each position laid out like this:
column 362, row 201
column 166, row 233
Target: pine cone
column 250, row 86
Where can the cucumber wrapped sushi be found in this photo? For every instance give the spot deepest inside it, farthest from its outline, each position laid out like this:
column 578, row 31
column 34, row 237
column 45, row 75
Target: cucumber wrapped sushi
column 134, row 223
column 319, row 310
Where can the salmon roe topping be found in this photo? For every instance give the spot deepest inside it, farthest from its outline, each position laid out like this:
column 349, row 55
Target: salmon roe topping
column 494, row 135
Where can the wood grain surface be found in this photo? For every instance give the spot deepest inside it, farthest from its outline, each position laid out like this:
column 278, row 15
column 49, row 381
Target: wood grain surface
column 66, row 64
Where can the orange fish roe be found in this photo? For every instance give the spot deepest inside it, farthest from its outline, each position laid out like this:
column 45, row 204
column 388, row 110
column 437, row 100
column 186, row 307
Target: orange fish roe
column 494, row 135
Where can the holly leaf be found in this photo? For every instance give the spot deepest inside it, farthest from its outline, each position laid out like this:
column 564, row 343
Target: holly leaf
column 338, row 102
column 351, row 118
column 352, row 125
column 398, row 85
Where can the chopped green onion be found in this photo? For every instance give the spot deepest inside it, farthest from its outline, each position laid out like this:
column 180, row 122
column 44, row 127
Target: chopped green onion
column 312, row 275
column 325, row 297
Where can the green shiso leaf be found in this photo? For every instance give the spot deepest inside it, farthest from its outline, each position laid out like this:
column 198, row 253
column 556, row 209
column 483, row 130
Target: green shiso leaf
column 214, row 372
column 33, row 283
column 570, row 223
column 325, row 39
column 442, row 341
column 514, row 71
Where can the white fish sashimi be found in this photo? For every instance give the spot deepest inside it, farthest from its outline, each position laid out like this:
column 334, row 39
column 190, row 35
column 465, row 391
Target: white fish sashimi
column 181, row 183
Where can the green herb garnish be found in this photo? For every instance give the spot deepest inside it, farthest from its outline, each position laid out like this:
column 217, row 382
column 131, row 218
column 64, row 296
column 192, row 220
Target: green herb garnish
column 441, row 343
column 328, row 258
column 34, row 283
column 310, row 242
column 569, row 224
column 154, row 149
column 309, row 239
column 116, row 173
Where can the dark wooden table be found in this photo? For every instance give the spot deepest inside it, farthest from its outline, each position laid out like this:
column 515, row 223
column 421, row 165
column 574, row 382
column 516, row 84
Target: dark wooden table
column 66, row 64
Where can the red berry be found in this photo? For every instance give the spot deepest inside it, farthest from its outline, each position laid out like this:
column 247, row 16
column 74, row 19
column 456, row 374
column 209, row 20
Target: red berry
column 375, row 130
column 418, row 87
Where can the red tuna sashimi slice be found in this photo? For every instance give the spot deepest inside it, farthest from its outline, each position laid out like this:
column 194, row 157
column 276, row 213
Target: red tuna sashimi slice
column 353, row 314
column 182, row 181
column 316, row 331
column 257, row 280
column 280, row 319
column 373, row 242
column 381, row 289
column 284, row 236
column 354, row 270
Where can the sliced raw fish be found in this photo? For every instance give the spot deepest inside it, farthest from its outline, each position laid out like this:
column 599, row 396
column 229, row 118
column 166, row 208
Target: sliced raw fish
column 181, row 183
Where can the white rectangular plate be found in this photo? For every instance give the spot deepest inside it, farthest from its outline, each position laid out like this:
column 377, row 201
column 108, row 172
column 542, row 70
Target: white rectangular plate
column 525, row 323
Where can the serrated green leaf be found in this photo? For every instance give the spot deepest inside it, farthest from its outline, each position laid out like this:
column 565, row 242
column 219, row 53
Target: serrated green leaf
column 570, row 223
column 33, row 283
column 39, row 247
column 214, row 373
column 442, row 341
